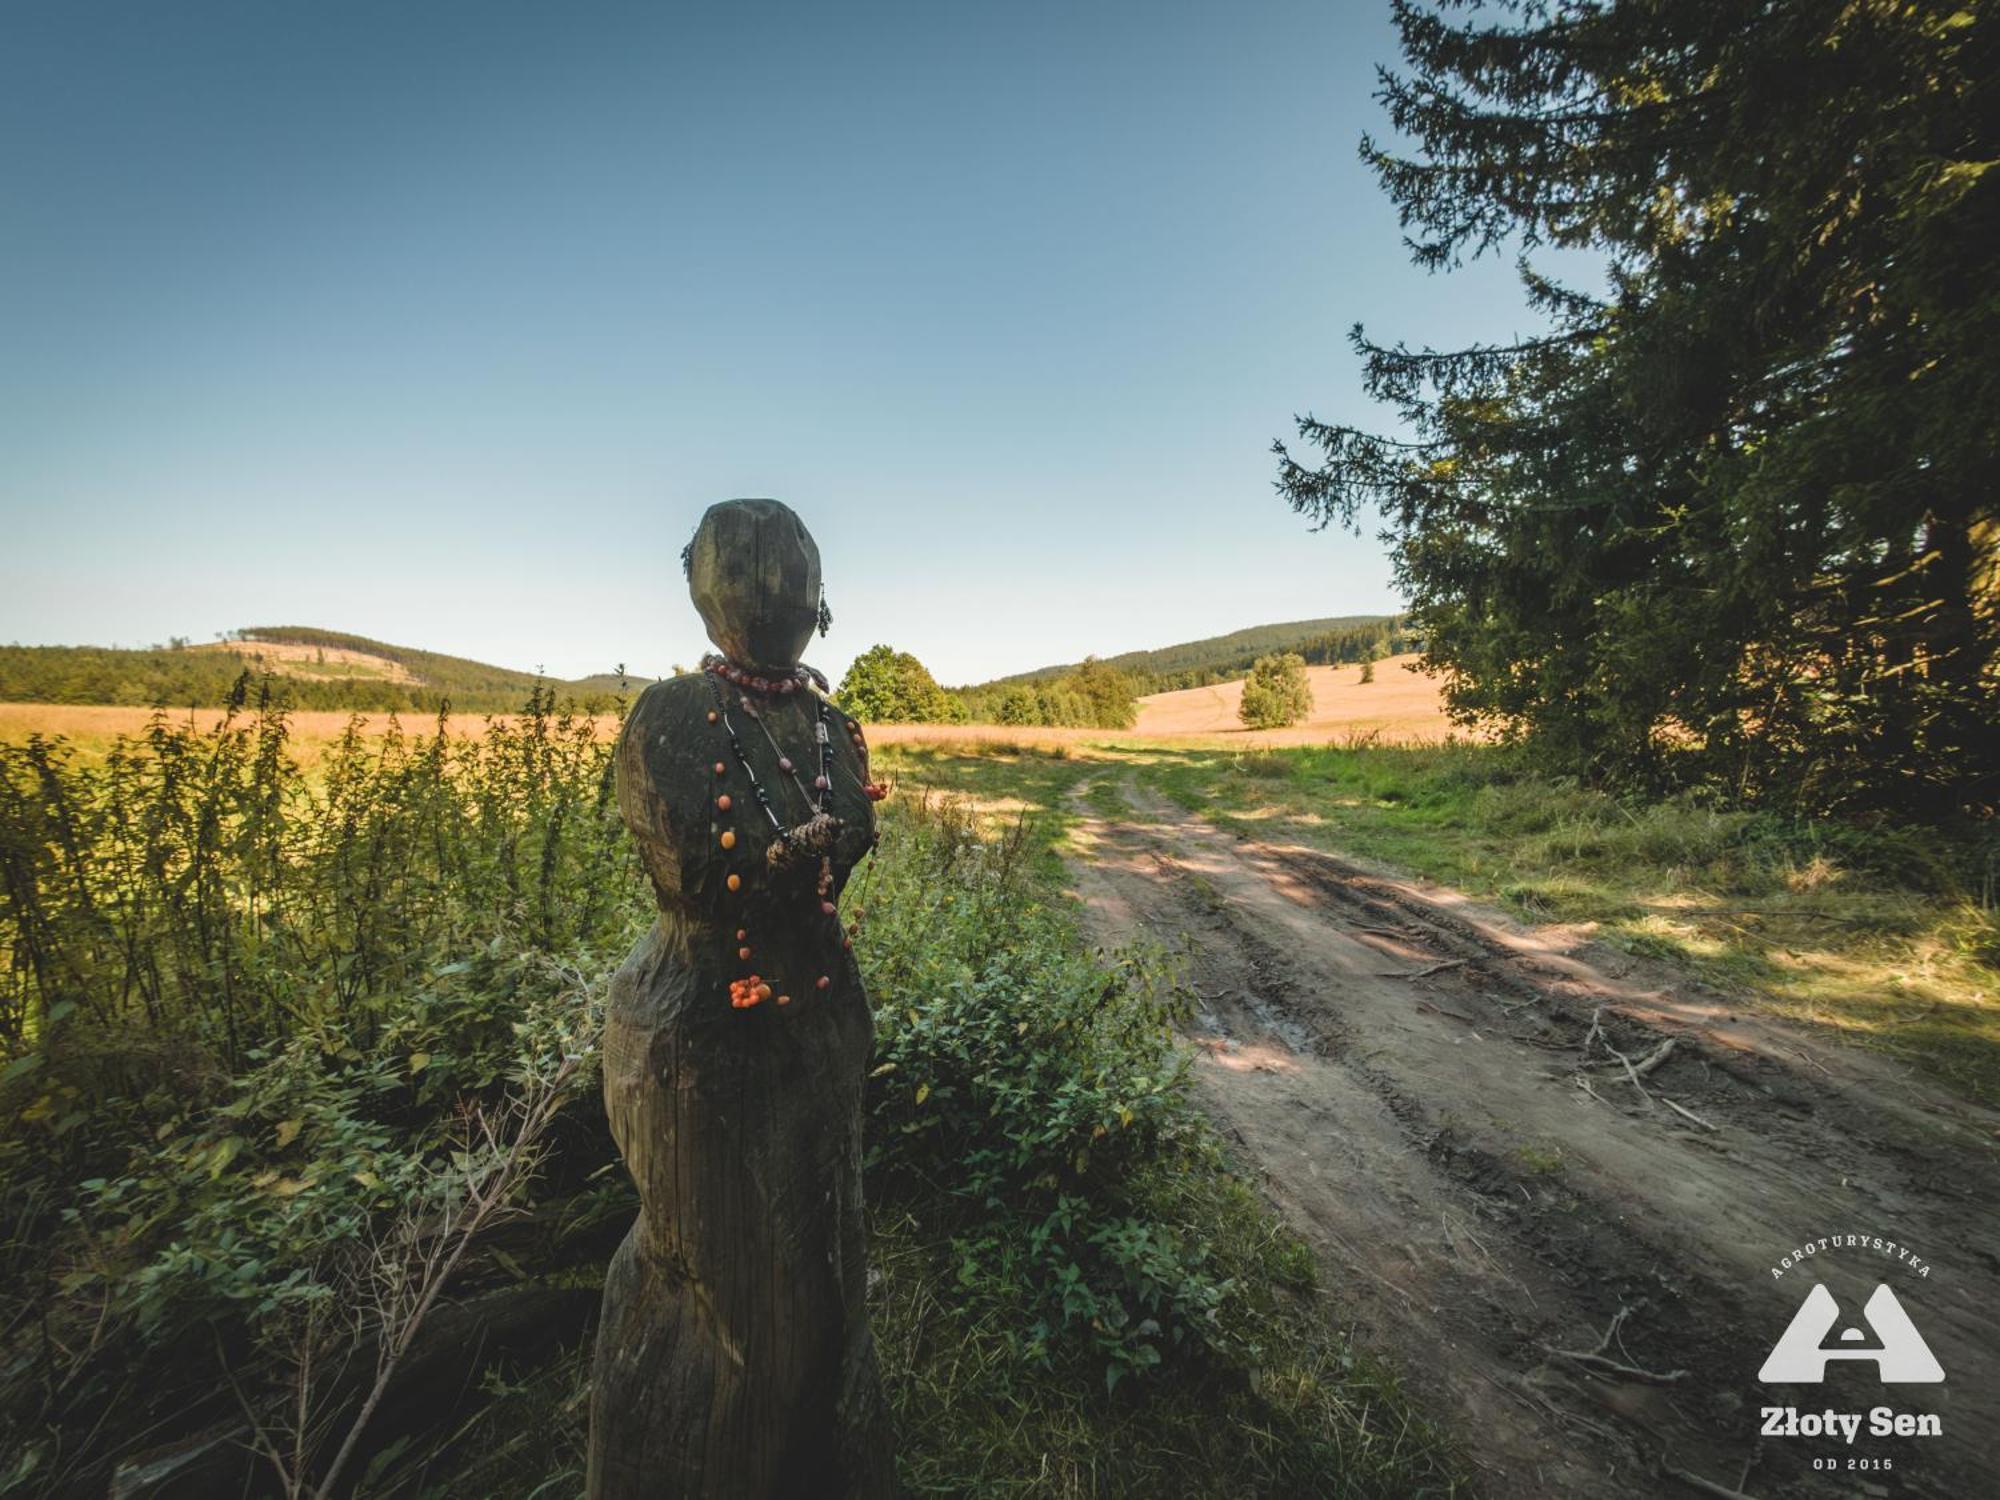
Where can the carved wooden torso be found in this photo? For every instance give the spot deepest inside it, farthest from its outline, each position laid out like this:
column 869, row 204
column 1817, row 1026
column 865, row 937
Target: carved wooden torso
column 669, row 790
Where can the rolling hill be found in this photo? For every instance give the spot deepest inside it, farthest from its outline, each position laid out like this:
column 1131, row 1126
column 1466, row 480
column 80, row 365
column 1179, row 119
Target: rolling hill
column 309, row 668
column 1218, row 658
column 314, row 668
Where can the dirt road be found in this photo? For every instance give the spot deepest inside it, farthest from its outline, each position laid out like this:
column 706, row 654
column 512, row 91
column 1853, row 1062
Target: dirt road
column 1570, row 1256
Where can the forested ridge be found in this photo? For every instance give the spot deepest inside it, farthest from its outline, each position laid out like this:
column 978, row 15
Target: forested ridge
column 180, row 675
column 1223, row 658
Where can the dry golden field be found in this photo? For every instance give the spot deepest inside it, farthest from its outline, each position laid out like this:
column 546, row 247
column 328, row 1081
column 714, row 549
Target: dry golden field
column 91, row 727
column 1401, row 706
column 86, row 722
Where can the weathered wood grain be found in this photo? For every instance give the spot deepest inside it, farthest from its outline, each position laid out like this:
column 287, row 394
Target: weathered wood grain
column 734, row 1356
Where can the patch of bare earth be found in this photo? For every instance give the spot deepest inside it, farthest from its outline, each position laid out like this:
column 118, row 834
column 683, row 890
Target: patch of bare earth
column 296, row 659
column 1568, row 1255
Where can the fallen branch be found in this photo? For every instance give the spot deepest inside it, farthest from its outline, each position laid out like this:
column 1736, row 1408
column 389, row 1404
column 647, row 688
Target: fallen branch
column 1613, row 1367
column 1436, row 968
column 1597, row 1359
column 1690, row 1114
column 408, row 1281
column 1597, row 1034
column 1629, row 1072
column 1646, row 1064
column 1634, row 1071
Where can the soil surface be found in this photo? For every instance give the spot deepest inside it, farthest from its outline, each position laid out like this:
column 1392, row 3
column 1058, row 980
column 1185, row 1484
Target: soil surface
column 1568, row 1256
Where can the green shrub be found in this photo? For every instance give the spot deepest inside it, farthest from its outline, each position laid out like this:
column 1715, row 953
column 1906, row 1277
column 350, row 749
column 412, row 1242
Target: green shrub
column 265, row 1011
column 1276, row 693
column 1021, row 1087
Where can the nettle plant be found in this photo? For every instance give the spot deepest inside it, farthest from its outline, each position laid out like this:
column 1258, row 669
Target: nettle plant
column 1024, row 1091
column 265, row 1022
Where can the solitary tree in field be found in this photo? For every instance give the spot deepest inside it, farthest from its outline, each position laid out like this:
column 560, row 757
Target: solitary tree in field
column 1735, row 516
column 1276, row 693
column 1368, row 667
column 887, row 686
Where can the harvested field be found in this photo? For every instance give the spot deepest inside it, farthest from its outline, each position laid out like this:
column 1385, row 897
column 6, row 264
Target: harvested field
column 1401, row 706
column 93, row 726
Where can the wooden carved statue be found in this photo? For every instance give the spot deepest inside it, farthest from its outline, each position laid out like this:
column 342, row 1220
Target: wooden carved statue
column 734, row 1357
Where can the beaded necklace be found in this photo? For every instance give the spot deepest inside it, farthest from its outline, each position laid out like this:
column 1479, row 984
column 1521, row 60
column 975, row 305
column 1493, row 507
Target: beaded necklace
column 813, row 837
column 801, row 676
column 823, row 782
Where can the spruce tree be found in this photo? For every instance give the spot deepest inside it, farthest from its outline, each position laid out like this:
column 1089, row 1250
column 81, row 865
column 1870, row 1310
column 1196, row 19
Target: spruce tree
column 1733, row 516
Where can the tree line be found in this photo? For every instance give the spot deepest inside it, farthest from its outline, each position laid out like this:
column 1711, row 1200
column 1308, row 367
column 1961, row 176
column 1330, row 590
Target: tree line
column 1346, row 645
column 1091, row 695
column 887, row 686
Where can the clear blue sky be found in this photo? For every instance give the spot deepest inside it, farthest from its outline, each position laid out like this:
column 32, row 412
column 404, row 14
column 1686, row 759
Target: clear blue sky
column 442, row 322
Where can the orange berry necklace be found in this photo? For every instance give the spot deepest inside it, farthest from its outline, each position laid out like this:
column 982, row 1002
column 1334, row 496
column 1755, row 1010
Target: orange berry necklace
column 815, row 836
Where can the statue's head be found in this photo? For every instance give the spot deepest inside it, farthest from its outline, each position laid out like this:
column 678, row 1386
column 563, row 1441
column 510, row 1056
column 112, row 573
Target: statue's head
column 753, row 572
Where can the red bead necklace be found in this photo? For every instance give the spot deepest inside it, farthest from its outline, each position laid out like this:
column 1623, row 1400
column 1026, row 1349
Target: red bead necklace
column 753, row 989
column 801, row 676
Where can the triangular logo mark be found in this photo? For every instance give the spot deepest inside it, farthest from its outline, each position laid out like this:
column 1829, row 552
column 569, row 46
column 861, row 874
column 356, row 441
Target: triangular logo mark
column 1903, row 1358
